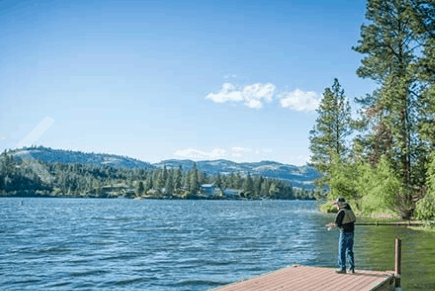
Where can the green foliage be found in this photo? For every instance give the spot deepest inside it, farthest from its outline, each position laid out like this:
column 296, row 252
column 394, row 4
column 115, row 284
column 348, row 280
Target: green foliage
column 169, row 187
column 425, row 209
column 140, row 188
column 328, row 137
column 430, row 179
column 342, row 180
column 248, row 186
column 328, row 207
column 81, row 180
column 379, row 187
column 178, row 179
column 194, row 180
column 369, row 189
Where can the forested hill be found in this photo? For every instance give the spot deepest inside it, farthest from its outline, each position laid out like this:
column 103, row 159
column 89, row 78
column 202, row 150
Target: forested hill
column 51, row 156
column 300, row 177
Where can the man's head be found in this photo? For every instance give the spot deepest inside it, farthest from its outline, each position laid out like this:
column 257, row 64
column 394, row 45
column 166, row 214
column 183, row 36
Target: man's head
column 340, row 202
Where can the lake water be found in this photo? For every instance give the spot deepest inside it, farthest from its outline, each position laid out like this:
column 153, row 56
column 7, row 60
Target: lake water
column 121, row 244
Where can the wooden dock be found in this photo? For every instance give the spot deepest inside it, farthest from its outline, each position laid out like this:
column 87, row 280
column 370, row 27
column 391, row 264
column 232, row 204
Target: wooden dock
column 303, row 278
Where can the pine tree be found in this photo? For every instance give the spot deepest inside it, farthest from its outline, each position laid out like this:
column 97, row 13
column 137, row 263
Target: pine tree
column 140, row 188
column 161, row 180
column 178, row 179
column 264, row 191
column 193, row 180
column 332, row 127
column 273, row 190
column 169, row 187
column 257, row 186
column 218, row 182
column 149, row 183
column 388, row 46
column 396, row 112
column 248, row 185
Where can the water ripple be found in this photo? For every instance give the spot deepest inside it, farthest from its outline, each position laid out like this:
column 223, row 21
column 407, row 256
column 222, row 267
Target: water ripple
column 95, row 244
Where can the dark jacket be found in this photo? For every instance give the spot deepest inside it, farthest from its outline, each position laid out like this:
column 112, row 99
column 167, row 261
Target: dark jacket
column 345, row 219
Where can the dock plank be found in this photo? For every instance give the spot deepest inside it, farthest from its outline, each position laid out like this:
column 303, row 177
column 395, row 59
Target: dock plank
column 304, row 278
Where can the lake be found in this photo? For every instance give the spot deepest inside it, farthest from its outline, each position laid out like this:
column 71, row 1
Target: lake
column 122, row 244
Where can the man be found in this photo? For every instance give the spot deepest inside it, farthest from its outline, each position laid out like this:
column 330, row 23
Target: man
column 345, row 221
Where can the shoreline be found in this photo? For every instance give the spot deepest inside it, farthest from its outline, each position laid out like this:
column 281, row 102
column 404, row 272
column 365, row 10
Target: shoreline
column 40, row 194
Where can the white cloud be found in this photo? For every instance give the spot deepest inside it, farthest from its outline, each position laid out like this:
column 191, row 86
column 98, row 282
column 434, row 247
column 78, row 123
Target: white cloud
column 267, row 150
column 230, row 76
column 236, row 155
column 238, row 149
column 300, row 160
column 300, row 100
column 252, row 95
column 196, row 154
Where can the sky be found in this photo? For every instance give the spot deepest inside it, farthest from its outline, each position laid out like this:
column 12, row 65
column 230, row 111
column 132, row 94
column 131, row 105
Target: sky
column 156, row 80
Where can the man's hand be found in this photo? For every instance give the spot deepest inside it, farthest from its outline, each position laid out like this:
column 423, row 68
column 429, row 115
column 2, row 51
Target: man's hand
column 331, row 225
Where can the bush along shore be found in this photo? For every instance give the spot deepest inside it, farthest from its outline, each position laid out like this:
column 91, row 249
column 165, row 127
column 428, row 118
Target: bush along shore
column 32, row 179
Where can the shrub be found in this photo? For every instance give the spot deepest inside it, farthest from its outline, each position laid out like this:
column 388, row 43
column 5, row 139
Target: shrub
column 425, row 208
column 328, row 207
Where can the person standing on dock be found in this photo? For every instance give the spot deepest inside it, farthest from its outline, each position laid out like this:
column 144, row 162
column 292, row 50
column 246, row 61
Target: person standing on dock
column 345, row 221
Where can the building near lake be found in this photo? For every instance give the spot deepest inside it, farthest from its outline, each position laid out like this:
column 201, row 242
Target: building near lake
column 232, row 193
column 210, row 189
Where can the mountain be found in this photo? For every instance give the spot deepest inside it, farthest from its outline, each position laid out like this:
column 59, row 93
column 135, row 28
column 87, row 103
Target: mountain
column 50, row 156
column 300, row 177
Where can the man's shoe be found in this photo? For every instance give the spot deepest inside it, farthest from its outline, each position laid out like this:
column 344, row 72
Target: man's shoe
column 351, row 271
column 340, row 271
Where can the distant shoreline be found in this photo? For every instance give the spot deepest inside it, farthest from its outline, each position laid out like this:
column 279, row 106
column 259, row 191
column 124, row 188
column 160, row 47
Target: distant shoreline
column 41, row 194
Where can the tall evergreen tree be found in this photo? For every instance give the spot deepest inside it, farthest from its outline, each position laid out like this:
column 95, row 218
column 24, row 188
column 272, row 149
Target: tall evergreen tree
column 193, row 180
column 161, row 180
column 248, row 185
column 264, row 191
column 332, row 127
column 178, row 178
column 218, row 181
column 140, row 188
column 149, row 183
column 169, row 186
column 388, row 45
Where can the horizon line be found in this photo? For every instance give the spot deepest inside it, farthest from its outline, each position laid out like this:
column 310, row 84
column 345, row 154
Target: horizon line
column 161, row 161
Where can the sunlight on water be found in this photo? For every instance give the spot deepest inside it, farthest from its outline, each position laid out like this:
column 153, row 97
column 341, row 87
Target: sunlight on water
column 91, row 244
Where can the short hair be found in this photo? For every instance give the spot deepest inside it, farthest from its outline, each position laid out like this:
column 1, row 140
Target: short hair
column 339, row 200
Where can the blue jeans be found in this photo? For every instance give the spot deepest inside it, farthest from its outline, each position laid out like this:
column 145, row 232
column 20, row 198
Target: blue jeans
column 345, row 249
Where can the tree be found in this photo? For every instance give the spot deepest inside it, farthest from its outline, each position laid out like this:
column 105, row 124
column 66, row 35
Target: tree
column 169, row 187
column 140, row 188
column 218, row 181
column 425, row 208
column 161, row 180
column 149, row 183
column 273, row 190
column 193, row 180
column 248, row 185
column 264, row 191
column 388, row 46
column 328, row 137
column 257, row 185
column 399, row 109
column 177, row 179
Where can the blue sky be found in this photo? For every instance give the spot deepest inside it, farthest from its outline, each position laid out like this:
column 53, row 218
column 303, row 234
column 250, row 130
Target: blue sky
column 154, row 80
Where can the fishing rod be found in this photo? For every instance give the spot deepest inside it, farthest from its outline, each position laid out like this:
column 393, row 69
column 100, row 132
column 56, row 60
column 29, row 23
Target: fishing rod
column 401, row 223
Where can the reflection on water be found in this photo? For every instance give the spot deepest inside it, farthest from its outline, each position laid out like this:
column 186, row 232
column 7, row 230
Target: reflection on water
column 92, row 244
